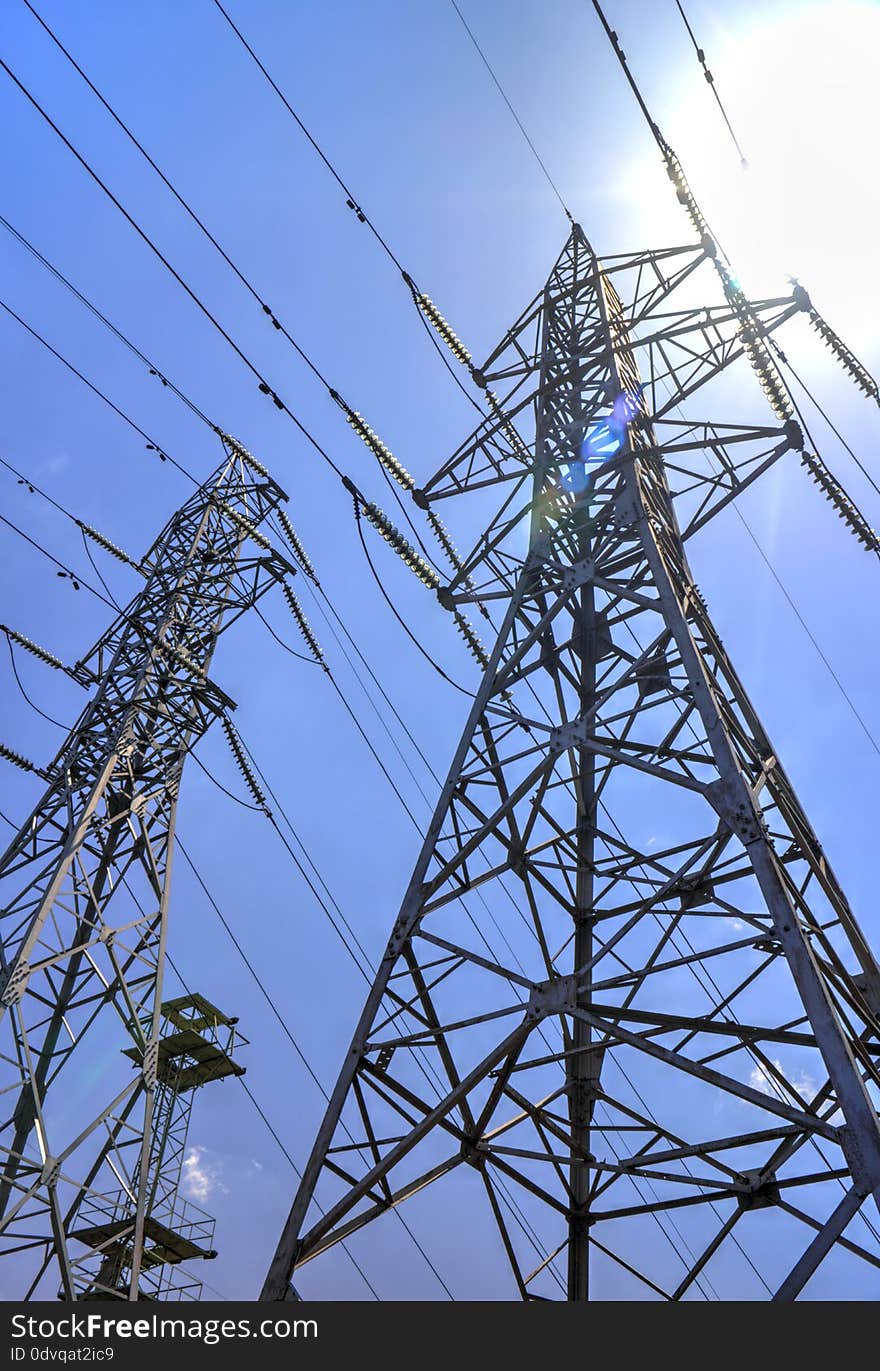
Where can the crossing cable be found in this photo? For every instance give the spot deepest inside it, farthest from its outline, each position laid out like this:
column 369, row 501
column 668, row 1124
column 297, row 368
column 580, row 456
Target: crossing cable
column 701, row 58
column 309, row 882
column 421, row 1061
column 353, row 667
column 300, row 656
column 421, row 832
column 501, row 91
column 94, row 566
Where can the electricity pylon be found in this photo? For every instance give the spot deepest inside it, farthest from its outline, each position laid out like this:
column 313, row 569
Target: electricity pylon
column 658, row 1028
column 85, row 888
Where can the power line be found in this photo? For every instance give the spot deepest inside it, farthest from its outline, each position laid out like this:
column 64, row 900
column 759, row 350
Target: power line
column 351, row 202
column 802, row 621
column 338, row 399
column 249, row 965
column 73, row 576
column 171, row 187
column 160, row 451
column 784, row 359
column 117, row 333
column 407, row 630
column 187, row 207
column 504, row 96
column 701, row 58
column 275, row 799
column 163, row 378
column 284, row 1025
column 263, row 385
column 27, row 698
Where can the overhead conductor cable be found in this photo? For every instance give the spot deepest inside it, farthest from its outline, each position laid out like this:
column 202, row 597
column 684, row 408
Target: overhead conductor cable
column 710, row 80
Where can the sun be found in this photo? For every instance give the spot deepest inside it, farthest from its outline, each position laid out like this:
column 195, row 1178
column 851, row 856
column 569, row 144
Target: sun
column 802, row 89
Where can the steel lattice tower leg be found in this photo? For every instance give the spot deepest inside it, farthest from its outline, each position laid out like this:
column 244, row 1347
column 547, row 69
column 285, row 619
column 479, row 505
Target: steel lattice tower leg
column 667, row 941
column 85, row 883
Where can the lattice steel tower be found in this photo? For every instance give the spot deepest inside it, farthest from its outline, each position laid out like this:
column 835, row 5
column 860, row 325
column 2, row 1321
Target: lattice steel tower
column 85, row 888
column 663, row 1009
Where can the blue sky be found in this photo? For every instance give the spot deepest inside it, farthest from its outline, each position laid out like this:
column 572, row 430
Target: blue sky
column 397, row 96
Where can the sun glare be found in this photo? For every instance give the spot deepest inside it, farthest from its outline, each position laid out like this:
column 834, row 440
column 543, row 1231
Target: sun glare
column 802, row 89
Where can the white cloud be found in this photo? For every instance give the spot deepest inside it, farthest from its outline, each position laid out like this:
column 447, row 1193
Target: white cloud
column 803, row 1082
column 201, row 1177
column 57, row 463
